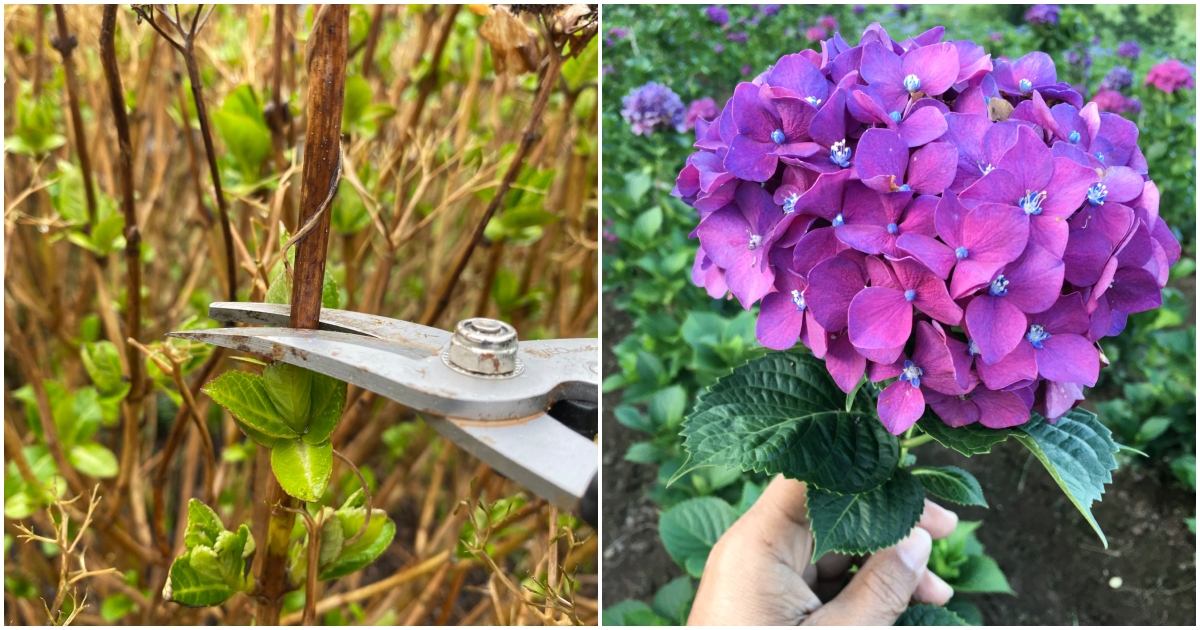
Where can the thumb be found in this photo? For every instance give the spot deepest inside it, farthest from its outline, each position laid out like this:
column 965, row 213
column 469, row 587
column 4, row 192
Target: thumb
column 882, row 588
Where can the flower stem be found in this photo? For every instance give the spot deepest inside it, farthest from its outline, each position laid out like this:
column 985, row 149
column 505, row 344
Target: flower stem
column 910, row 442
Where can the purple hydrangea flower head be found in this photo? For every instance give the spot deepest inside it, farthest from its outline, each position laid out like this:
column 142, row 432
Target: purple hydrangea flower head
column 1170, row 75
column 1118, row 78
column 769, row 10
column 996, row 36
column 1130, row 50
column 1109, row 100
column 815, row 33
column 1042, row 14
column 859, row 9
column 740, row 38
column 719, row 48
column 717, row 14
column 651, row 106
column 828, row 22
column 889, row 213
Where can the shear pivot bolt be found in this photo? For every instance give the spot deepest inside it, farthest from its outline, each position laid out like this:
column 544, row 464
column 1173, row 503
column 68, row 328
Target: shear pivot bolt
column 484, row 346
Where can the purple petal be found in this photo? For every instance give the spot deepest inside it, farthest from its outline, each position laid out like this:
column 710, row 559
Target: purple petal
column 933, row 357
column 1035, row 280
column 844, row 363
column 932, row 168
column 998, row 186
column 1087, row 252
column 1003, row 409
column 751, row 160
column 1068, row 315
column 824, row 198
column 1134, row 290
column 1029, row 160
column 954, row 411
column 930, row 291
column 779, row 321
column 868, row 239
column 922, row 126
column 882, row 159
column 724, row 235
column 996, row 326
column 1067, row 188
column 814, row 247
column 1016, row 366
column 880, row 65
column 879, row 318
column 833, row 283
column 1068, row 358
column 1061, row 398
column 949, row 219
column 753, row 117
column 936, row 66
column 929, row 251
column 900, row 406
column 798, row 74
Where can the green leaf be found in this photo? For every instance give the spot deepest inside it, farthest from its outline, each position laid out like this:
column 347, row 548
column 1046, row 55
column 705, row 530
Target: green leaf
column 966, row 609
column 668, row 405
column 631, row 418
column 354, row 105
column 782, row 413
column 929, row 615
column 328, row 398
column 1152, row 428
column 631, row 612
column 973, row 439
column 648, row 224
column 866, row 522
column 1078, row 452
column 674, row 600
column 950, row 483
column 243, row 129
column 94, row 460
column 365, row 550
column 290, row 389
column 103, row 365
column 245, row 396
column 1184, row 468
column 189, row 587
column 203, row 525
column 302, row 469
column 690, row 529
column 582, row 67
column 115, row 607
column 980, row 574
column 644, row 453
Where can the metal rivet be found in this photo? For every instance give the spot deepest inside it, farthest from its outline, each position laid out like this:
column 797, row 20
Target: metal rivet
column 484, row 346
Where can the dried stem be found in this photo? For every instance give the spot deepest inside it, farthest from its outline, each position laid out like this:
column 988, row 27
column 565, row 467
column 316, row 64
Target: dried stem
column 133, row 247
column 65, row 43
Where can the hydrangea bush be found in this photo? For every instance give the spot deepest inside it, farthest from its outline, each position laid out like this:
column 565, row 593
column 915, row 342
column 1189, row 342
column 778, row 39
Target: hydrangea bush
column 960, row 230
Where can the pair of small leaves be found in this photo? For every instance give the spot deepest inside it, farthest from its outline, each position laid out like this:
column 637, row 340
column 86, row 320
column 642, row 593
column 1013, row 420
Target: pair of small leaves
column 292, row 411
column 960, row 561
column 337, row 558
column 214, row 566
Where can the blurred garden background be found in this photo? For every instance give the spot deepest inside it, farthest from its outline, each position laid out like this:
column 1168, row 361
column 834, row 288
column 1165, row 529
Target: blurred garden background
column 667, row 339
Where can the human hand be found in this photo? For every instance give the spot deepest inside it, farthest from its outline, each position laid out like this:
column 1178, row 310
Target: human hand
column 760, row 573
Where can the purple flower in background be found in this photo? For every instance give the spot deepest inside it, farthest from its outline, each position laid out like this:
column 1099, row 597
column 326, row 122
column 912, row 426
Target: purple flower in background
column 618, row 33
column 606, row 69
column 1042, row 14
column 740, row 38
column 902, row 9
column 705, row 109
column 828, row 22
column 995, row 36
column 1169, row 76
column 868, row 199
column 747, row 70
column 1129, row 50
column 769, row 10
column 718, row 48
column 717, row 14
column 815, row 33
column 1118, row 78
column 859, row 9
column 650, row 106
column 1135, row 104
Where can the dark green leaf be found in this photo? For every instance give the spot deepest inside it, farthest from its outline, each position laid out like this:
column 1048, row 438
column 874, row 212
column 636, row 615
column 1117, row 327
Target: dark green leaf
column 929, row 615
column 1078, row 452
column 782, row 413
column 980, row 574
column 668, row 405
column 674, row 600
column 189, row 587
column 631, row 612
column 973, row 439
column 951, row 483
column 328, row 398
column 290, row 390
column 866, row 522
column 966, row 609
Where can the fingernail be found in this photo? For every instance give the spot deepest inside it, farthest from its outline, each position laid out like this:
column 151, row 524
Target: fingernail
column 914, row 550
column 944, row 590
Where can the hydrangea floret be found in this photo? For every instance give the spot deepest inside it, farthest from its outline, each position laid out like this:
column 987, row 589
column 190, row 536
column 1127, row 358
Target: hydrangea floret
column 917, row 212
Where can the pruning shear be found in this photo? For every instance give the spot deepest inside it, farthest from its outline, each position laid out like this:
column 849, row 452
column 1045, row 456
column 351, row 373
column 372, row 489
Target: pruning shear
column 528, row 409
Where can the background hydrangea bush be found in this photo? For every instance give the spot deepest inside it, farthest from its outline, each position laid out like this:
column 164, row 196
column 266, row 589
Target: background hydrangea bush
column 683, row 340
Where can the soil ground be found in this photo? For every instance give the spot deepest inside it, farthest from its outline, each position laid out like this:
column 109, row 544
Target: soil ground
column 1054, row 561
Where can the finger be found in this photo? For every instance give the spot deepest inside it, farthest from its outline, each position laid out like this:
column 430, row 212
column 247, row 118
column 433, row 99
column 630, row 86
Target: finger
column 933, row 590
column 882, row 588
column 783, row 499
column 937, row 520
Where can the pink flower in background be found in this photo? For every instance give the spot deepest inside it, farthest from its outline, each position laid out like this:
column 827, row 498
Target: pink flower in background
column 815, row 34
column 828, row 22
column 1169, row 76
column 1108, row 100
column 701, row 109
column 747, row 69
column 995, row 36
